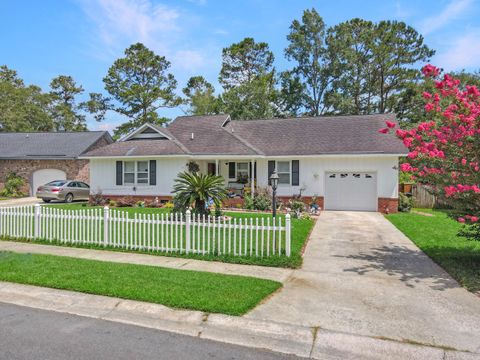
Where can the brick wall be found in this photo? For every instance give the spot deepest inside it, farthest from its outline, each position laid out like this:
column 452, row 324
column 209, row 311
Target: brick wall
column 387, row 205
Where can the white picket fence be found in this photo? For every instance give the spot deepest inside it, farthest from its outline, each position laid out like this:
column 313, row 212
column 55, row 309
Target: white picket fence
column 169, row 233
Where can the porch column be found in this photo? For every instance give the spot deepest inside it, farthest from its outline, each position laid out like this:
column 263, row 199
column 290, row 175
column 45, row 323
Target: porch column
column 216, row 167
column 252, row 181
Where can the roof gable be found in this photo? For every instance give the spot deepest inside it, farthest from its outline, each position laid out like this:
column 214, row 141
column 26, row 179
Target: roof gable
column 145, row 132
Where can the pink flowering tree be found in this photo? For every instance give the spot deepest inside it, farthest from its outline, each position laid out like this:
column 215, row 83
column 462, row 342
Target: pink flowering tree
column 444, row 149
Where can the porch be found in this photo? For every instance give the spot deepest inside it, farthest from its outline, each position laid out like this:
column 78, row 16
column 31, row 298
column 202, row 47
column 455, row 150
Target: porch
column 240, row 175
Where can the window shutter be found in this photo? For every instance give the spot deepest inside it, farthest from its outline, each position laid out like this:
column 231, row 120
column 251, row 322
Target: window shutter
column 231, row 170
column 119, row 173
column 153, row 172
column 271, row 168
column 295, row 172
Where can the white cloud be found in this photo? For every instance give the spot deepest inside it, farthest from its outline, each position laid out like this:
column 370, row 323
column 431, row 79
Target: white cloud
column 451, row 12
column 119, row 23
column 462, row 53
column 401, row 11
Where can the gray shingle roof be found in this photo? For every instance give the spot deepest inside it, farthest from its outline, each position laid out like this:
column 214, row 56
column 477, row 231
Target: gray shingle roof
column 209, row 137
column 216, row 135
column 138, row 148
column 51, row 145
column 320, row 135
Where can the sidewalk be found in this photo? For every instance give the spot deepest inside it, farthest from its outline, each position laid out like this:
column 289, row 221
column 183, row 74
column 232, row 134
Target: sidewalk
column 298, row 340
column 277, row 274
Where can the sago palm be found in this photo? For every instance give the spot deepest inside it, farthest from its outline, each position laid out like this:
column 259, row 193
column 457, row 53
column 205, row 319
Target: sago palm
column 195, row 188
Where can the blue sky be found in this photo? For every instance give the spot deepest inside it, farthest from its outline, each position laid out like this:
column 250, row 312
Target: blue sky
column 81, row 38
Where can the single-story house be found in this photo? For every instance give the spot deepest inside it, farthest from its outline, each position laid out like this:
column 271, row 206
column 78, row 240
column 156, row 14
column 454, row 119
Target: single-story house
column 341, row 160
column 40, row 157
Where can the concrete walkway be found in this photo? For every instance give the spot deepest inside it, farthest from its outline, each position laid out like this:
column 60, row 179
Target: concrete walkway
column 363, row 276
column 277, row 274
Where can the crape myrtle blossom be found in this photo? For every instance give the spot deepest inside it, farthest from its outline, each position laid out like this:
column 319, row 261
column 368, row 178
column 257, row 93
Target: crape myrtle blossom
column 444, row 149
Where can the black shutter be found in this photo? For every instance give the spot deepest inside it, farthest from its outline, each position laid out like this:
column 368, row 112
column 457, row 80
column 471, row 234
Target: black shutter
column 231, row 170
column 295, row 172
column 153, row 172
column 271, row 168
column 119, row 173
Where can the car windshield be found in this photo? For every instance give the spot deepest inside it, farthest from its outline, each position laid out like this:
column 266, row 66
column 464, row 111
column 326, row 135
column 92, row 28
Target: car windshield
column 57, row 183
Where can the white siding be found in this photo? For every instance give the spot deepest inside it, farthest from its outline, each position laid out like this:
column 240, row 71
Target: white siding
column 312, row 173
column 103, row 175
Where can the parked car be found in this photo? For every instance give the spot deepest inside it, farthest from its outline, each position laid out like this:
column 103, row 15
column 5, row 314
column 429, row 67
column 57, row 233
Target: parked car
column 63, row 190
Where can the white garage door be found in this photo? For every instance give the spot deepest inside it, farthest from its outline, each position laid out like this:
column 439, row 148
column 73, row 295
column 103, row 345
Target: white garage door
column 41, row 177
column 351, row 191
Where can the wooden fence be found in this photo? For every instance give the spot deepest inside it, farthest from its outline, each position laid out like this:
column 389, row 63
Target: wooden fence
column 167, row 233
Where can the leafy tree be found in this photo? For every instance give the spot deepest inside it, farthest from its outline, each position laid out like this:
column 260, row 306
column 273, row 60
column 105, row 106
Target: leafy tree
column 291, row 98
column 200, row 96
column 197, row 189
column 22, row 108
column 396, row 48
column 66, row 113
column 444, row 149
column 307, row 48
column 140, row 84
column 372, row 64
column 353, row 88
column 252, row 100
column 244, row 62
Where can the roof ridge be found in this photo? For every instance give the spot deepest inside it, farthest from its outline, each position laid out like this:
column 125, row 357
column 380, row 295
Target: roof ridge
column 319, row 117
column 243, row 141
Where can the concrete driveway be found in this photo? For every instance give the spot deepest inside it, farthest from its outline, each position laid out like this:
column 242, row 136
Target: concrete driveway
column 363, row 276
column 20, row 201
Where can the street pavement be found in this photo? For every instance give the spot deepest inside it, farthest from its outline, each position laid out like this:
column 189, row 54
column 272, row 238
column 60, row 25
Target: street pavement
column 31, row 334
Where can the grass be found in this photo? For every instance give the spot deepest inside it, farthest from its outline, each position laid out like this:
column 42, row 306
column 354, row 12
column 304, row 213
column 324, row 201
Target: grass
column 184, row 289
column 300, row 230
column 437, row 236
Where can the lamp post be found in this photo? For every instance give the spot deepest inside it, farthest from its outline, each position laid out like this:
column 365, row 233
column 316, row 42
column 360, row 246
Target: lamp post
column 274, row 184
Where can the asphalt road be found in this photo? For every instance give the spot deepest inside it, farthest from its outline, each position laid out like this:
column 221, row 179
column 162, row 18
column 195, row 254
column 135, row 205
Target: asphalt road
column 27, row 333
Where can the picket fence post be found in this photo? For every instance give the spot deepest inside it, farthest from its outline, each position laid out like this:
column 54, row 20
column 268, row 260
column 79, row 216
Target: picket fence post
column 106, row 218
column 187, row 231
column 287, row 234
column 36, row 221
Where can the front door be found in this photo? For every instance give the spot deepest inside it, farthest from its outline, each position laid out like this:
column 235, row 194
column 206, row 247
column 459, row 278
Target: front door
column 211, row 169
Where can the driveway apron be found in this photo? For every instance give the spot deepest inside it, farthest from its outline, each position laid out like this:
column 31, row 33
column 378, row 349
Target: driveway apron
column 363, row 276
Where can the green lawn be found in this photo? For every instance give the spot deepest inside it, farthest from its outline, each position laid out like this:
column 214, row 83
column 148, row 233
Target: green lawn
column 437, row 236
column 209, row 292
column 300, row 230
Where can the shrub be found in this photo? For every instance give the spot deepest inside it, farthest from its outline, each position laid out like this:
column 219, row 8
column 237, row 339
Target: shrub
column 169, row 205
column 112, row 203
column 13, row 186
column 97, row 199
column 404, row 203
column 262, row 200
column 126, row 201
column 297, row 207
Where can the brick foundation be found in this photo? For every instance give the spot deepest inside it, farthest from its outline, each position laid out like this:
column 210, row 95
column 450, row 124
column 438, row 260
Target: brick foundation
column 138, row 197
column 387, row 205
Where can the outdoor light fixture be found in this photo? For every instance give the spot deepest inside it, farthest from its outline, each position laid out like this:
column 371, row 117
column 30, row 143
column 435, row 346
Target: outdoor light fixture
column 274, row 184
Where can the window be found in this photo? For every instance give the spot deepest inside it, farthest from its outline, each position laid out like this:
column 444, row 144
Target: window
column 142, row 172
column 129, row 172
column 283, row 171
column 135, row 172
column 242, row 171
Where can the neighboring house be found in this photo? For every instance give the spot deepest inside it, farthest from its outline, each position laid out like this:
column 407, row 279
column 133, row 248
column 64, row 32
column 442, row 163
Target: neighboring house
column 342, row 160
column 42, row 157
